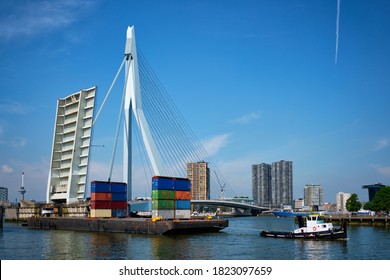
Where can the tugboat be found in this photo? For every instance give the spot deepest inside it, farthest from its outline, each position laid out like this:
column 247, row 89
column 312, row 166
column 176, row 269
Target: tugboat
column 315, row 228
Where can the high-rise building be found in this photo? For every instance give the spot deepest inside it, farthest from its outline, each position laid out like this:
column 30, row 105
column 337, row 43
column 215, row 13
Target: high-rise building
column 3, row 194
column 199, row 175
column 373, row 189
column 313, row 195
column 282, row 184
column 272, row 184
column 341, row 200
column 261, row 182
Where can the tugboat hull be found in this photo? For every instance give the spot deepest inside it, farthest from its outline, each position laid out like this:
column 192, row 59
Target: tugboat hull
column 339, row 233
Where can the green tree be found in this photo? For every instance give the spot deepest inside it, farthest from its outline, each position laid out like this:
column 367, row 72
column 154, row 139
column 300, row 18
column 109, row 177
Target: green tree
column 353, row 204
column 368, row 205
column 381, row 201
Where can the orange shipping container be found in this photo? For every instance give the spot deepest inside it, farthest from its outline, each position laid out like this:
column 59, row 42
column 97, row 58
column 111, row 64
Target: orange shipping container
column 101, row 196
column 182, row 195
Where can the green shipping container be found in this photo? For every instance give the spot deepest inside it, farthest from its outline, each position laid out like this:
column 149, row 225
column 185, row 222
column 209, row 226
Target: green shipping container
column 163, row 204
column 163, row 194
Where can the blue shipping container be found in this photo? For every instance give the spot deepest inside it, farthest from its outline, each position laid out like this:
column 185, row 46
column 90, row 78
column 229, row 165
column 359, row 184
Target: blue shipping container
column 103, row 187
column 162, row 183
column 119, row 196
column 121, row 213
column 182, row 185
column 118, row 187
column 183, row 204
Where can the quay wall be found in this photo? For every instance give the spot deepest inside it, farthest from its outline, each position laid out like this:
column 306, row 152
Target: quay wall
column 359, row 220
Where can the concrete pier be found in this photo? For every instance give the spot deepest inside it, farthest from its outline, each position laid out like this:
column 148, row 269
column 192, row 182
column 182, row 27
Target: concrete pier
column 359, row 220
column 128, row 225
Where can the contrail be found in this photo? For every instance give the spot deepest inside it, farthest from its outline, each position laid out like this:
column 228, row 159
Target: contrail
column 337, row 30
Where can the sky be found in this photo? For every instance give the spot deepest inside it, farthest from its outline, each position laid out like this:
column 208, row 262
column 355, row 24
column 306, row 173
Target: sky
column 257, row 81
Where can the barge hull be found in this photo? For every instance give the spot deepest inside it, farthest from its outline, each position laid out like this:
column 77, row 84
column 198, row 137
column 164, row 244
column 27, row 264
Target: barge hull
column 128, row 225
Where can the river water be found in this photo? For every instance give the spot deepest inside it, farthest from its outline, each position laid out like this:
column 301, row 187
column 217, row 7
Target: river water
column 240, row 241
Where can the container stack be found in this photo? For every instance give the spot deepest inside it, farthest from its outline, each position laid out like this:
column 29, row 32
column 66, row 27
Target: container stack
column 108, row 199
column 171, row 197
column 119, row 199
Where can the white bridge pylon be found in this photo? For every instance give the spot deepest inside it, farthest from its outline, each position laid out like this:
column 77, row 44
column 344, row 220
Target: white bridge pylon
column 133, row 104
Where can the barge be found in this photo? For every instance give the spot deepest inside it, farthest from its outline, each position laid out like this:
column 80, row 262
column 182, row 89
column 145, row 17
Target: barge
column 128, row 225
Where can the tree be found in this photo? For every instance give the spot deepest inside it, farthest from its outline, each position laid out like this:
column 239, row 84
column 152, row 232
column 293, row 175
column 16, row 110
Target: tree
column 368, row 205
column 353, row 204
column 381, row 201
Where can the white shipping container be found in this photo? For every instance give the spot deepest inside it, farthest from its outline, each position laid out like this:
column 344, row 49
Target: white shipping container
column 182, row 214
column 101, row 213
column 164, row 214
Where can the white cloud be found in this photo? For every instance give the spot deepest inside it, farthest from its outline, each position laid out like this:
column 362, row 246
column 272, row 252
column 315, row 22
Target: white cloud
column 34, row 17
column 247, row 118
column 384, row 170
column 6, row 169
column 14, row 107
column 19, row 142
column 213, row 145
column 381, row 144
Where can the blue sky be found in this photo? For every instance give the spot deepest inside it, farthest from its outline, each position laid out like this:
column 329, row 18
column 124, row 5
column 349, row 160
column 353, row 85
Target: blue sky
column 258, row 81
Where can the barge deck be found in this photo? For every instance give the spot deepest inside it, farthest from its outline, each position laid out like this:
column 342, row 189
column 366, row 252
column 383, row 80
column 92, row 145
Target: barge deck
column 128, row 225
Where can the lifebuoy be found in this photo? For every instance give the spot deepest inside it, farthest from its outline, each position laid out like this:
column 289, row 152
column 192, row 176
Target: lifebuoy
column 314, row 228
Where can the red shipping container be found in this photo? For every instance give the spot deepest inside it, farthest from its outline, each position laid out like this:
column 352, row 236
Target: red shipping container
column 182, row 195
column 97, row 204
column 119, row 205
column 101, row 196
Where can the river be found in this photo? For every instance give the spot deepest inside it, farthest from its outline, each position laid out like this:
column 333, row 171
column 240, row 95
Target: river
column 240, row 241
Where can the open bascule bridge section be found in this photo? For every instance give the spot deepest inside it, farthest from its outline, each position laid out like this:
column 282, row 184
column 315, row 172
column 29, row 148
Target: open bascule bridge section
column 147, row 119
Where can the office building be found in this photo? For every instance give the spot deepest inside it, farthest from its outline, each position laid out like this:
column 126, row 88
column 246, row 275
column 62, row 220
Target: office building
column 373, row 189
column 272, row 184
column 3, row 194
column 282, row 191
column 199, row 175
column 313, row 196
column 261, row 182
column 341, row 200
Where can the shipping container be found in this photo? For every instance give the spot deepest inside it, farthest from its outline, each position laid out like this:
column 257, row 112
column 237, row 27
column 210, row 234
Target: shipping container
column 163, row 204
column 182, row 195
column 101, row 213
column 101, row 196
column 163, row 194
column 120, row 213
column 119, row 205
column 182, row 214
column 100, row 187
column 182, row 184
column 171, row 183
column 164, row 214
column 182, row 204
column 162, row 183
column 119, row 196
column 117, row 187
column 97, row 204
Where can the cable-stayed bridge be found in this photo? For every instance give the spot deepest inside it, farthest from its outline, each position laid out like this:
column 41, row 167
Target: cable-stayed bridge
column 149, row 116
column 165, row 139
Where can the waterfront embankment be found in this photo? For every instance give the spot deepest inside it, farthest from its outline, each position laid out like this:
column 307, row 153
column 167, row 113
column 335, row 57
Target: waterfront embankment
column 358, row 220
